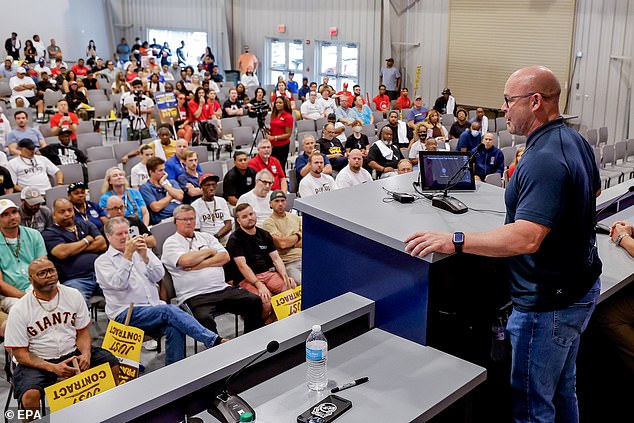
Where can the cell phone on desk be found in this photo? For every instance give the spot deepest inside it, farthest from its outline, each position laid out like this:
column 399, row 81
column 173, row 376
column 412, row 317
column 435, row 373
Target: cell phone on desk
column 133, row 231
column 325, row 410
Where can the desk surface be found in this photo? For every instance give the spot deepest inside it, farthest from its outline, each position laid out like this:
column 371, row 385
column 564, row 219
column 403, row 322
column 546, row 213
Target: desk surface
column 407, row 381
column 361, row 210
column 618, row 266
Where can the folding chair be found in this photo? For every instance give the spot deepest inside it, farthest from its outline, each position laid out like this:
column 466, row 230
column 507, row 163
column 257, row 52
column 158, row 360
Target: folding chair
column 97, row 169
column 100, row 153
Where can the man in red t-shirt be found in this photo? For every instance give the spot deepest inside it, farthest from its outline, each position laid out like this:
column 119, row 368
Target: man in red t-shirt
column 403, row 101
column 79, row 68
column 382, row 100
column 64, row 119
column 264, row 160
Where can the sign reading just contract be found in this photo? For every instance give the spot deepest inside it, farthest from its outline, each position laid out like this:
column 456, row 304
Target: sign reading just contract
column 85, row 385
column 287, row 302
column 125, row 343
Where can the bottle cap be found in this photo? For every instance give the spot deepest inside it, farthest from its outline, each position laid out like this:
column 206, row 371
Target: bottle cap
column 246, row 417
column 316, row 328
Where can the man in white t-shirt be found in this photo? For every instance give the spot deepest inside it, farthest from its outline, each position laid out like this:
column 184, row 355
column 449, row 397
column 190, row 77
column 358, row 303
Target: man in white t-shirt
column 138, row 174
column 139, row 113
column 48, row 330
column 354, row 173
column 212, row 212
column 316, row 182
column 33, row 170
column 195, row 260
column 327, row 103
column 311, row 109
column 24, row 86
column 257, row 198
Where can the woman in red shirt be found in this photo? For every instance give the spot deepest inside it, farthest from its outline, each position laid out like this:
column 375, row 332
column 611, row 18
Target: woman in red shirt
column 183, row 128
column 198, row 107
column 281, row 128
column 283, row 92
column 513, row 165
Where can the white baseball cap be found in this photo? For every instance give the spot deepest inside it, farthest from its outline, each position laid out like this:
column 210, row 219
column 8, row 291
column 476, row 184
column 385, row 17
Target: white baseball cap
column 6, row 204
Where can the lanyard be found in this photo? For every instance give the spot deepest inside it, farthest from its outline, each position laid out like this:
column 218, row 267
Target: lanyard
column 15, row 252
column 211, row 212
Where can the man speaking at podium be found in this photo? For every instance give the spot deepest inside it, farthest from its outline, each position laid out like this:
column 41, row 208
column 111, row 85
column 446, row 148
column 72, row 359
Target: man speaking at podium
column 549, row 240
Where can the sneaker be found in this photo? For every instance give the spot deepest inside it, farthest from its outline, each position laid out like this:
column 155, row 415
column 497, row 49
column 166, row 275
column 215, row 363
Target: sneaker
column 150, row 345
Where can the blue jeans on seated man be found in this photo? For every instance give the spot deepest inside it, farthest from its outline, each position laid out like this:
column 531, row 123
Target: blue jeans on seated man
column 86, row 285
column 543, row 373
column 174, row 323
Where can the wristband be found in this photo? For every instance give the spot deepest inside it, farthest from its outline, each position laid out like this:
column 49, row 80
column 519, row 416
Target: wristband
column 620, row 238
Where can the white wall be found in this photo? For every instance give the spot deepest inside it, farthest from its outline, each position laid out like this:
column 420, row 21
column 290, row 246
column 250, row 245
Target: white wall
column 356, row 20
column 71, row 22
column 601, row 87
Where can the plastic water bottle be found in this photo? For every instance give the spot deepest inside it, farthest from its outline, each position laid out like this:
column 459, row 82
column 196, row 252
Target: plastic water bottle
column 498, row 340
column 316, row 359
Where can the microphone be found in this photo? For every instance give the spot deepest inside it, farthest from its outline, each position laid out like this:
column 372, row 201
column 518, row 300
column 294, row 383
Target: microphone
column 600, row 228
column 231, row 406
column 447, row 202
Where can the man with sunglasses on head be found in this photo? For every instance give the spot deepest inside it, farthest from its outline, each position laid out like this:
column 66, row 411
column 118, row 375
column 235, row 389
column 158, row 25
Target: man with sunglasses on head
column 47, row 331
column 549, row 241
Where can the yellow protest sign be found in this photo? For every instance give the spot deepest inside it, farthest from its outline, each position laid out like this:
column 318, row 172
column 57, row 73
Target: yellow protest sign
column 125, row 343
column 80, row 387
column 287, row 302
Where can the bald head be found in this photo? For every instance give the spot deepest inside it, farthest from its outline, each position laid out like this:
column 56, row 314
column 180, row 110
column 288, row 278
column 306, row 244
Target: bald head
column 531, row 99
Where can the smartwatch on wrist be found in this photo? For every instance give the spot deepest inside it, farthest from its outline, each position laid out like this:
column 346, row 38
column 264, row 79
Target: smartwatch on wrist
column 458, row 241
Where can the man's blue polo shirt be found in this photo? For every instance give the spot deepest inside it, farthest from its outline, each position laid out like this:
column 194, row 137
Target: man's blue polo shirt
column 151, row 193
column 555, row 185
column 302, row 160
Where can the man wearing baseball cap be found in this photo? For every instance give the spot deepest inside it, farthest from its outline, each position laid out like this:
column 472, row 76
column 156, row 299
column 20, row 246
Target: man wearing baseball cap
column 33, row 212
column 33, row 170
column 23, row 85
column 446, row 103
column 391, row 78
column 286, row 230
column 212, row 212
column 19, row 246
column 345, row 93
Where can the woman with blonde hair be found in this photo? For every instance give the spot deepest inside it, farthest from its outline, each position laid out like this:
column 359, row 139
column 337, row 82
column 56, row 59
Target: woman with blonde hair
column 115, row 183
column 434, row 128
column 518, row 155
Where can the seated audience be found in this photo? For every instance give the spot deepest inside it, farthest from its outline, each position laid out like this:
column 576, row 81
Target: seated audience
column 384, row 156
column 129, row 272
column 434, row 128
column 23, row 93
column 330, row 145
column 22, row 131
column 257, row 198
column 315, row 182
column 233, row 106
column 239, row 180
column 364, row 113
column 518, row 155
column 195, row 261
column 46, row 351
column 302, row 167
column 116, row 208
column 175, row 165
column 212, row 212
column 311, row 109
column 64, row 153
column 85, row 210
column 403, row 101
column 419, row 143
column 327, row 103
column 404, row 166
column 344, row 113
column 354, row 173
column 470, row 139
column 416, row 114
column 399, row 133
column 253, row 250
column 382, row 100
column 358, row 140
column 159, row 193
column 19, row 247
column 73, row 247
column 189, row 180
column 33, row 212
column 482, row 119
column 138, row 174
column 32, row 169
column 116, row 184
column 489, row 161
column 286, row 231
column 460, row 125
column 446, row 103
column 265, row 160
column 64, row 120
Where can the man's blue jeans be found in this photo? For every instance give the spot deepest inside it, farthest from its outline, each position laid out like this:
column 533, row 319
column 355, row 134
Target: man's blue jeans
column 174, row 323
column 86, row 285
column 543, row 373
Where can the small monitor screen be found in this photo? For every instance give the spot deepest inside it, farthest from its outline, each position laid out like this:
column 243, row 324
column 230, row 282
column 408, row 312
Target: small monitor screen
column 437, row 168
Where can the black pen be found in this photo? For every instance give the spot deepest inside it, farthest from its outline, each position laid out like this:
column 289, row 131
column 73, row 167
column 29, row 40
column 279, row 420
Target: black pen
column 349, row 385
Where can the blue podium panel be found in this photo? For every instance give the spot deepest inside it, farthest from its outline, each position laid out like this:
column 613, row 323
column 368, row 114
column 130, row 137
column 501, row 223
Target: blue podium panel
column 336, row 261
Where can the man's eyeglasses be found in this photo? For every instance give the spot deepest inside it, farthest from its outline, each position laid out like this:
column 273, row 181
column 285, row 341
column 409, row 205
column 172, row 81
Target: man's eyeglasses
column 509, row 100
column 186, row 219
column 116, row 208
column 45, row 273
column 266, row 182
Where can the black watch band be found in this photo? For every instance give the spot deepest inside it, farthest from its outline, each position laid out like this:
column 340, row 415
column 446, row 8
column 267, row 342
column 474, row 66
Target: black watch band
column 458, row 241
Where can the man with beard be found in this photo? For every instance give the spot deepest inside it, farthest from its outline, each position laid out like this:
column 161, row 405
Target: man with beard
column 212, row 212
column 316, row 182
column 239, row 180
column 33, row 213
column 354, row 173
column 384, row 156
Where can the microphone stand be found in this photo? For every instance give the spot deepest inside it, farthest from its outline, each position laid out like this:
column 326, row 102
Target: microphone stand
column 447, row 202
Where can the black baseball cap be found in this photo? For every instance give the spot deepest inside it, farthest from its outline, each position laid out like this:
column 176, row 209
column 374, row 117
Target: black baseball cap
column 26, row 143
column 76, row 185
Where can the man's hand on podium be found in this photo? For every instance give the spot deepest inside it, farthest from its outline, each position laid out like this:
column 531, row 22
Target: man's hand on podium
column 423, row 243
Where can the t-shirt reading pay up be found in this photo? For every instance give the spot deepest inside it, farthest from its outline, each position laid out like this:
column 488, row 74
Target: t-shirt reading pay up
column 33, row 172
